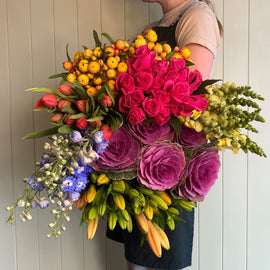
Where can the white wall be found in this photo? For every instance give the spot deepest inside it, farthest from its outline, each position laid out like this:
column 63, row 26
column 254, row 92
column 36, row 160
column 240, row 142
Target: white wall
column 232, row 225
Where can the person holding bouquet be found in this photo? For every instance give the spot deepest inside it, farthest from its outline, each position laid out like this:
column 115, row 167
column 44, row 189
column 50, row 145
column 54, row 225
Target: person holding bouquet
column 189, row 23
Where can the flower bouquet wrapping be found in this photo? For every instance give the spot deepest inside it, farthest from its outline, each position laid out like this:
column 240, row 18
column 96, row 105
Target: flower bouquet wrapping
column 135, row 138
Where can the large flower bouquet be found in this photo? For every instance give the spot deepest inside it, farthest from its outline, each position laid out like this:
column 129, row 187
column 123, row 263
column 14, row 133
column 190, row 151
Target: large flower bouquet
column 135, row 138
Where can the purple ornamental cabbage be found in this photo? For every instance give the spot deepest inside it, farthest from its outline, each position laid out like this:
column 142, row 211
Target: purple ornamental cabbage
column 151, row 133
column 200, row 174
column 189, row 137
column 121, row 155
column 161, row 165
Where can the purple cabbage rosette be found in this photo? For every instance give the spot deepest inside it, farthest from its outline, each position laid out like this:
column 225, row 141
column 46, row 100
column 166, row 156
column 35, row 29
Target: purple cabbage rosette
column 121, row 155
column 189, row 137
column 161, row 165
column 148, row 134
column 200, row 174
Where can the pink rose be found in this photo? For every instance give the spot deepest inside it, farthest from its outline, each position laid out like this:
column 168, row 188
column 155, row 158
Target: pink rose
column 152, row 106
column 125, row 83
column 200, row 103
column 132, row 99
column 176, row 63
column 140, row 61
column 81, row 123
column 179, row 91
column 136, row 115
column 160, row 67
column 163, row 117
column 143, row 80
column 158, row 82
column 195, row 79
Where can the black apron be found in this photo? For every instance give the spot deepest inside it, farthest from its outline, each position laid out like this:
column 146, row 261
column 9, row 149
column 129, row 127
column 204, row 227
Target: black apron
column 181, row 239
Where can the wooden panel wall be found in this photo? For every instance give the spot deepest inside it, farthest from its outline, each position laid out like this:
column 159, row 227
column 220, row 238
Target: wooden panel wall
column 232, row 225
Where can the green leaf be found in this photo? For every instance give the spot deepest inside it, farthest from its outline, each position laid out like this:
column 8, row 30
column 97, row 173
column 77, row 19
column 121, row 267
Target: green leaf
column 93, row 105
column 109, row 92
column 170, row 55
column 68, row 109
column 84, row 47
column 39, row 109
column 107, row 36
column 201, row 89
column 97, row 118
column 147, row 121
column 97, row 40
column 176, row 124
column 122, row 175
column 42, row 90
column 59, row 75
column 65, row 129
column 80, row 90
column 189, row 63
column 40, row 134
column 77, row 116
column 68, row 57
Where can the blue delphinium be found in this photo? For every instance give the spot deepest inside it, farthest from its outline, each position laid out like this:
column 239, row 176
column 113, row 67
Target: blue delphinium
column 100, row 148
column 69, row 183
column 75, row 136
column 34, row 184
column 98, row 137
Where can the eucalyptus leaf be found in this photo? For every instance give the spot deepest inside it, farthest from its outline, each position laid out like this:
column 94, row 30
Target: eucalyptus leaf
column 109, row 92
column 40, row 134
column 65, row 129
column 96, row 118
column 176, row 124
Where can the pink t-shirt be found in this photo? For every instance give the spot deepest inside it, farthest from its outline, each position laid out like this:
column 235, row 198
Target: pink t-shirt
column 197, row 25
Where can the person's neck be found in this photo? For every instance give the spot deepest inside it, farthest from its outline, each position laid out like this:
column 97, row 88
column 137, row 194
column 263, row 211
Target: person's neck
column 171, row 4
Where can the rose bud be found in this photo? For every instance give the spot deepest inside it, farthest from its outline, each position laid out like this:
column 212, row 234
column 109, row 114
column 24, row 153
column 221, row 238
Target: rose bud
column 48, row 100
column 57, row 117
column 81, row 123
column 62, row 103
column 67, row 65
column 106, row 101
column 107, row 132
column 65, row 89
column 81, row 105
column 95, row 124
column 69, row 121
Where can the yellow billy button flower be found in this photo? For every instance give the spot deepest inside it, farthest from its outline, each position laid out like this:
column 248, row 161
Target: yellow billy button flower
column 167, row 48
column 71, row 78
column 158, row 48
column 97, row 52
column 77, row 56
column 97, row 81
column 150, row 45
column 131, row 50
column 90, row 76
column 151, row 35
column 163, row 55
column 94, row 67
column 83, row 79
column 112, row 62
column 122, row 67
column 177, row 55
column 83, row 65
column 91, row 91
column 139, row 42
column 185, row 52
column 111, row 73
column 87, row 53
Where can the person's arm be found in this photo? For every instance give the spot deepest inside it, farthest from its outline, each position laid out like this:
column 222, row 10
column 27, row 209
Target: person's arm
column 202, row 58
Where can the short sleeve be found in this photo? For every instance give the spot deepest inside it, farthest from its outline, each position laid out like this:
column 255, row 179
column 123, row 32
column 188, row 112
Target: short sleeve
column 198, row 25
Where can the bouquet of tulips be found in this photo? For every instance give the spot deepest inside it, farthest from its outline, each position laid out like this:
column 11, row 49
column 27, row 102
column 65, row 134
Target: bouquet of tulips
column 135, row 137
